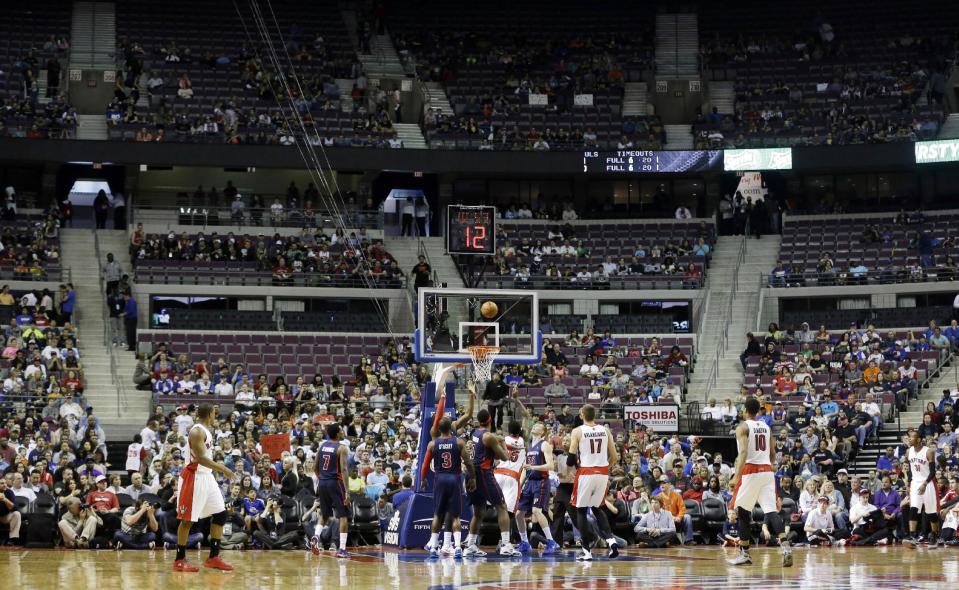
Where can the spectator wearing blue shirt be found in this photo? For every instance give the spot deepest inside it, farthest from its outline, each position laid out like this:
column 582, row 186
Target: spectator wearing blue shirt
column 252, row 508
column 405, row 492
column 130, row 320
column 69, row 302
column 884, row 463
column 952, row 332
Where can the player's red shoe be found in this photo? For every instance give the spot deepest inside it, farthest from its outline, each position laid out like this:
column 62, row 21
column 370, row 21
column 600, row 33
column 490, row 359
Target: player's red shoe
column 218, row 564
column 181, row 565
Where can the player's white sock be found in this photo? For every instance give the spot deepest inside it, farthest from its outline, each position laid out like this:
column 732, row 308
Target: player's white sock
column 504, row 537
column 548, row 533
column 343, row 537
column 611, row 541
column 447, row 538
column 457, row 538
column 434, row 539
column 470, row 539
column 523, row 537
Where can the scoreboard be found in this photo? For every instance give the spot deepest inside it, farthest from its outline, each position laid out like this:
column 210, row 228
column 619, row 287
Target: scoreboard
column 652, row 161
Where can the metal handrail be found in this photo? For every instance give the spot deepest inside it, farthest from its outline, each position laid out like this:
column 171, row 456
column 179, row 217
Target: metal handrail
column 172, row 275
column 105, row 312
column 841, row 278
column 207, row 216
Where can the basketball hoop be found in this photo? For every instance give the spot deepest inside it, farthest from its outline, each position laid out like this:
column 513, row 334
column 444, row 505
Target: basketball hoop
column 483, row 357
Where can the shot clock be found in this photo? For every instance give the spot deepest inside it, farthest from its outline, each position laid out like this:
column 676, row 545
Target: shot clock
column 471, row 230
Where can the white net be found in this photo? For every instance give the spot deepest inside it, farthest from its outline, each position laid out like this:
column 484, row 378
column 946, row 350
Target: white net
column 483, row 358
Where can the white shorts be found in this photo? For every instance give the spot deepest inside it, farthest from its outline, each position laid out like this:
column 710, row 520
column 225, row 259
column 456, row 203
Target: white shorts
column 198, row 496
column 927, row 502
column 589, row 488
column 758, row 487
column 509, row 485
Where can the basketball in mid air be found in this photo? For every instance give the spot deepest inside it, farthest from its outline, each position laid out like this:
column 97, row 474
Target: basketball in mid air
column 489, row 310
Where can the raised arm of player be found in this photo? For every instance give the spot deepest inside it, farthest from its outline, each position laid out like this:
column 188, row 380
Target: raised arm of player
column 612, row 453
column 468, row 414
column 521, row 410
column 198, row 446
column 343, row 454
column 742, row 441
column 495, row 445
column 466, row 460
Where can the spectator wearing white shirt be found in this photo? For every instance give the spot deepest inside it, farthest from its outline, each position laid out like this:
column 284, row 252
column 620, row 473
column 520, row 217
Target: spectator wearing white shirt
column 713, row 412
column 875, row 412
column 683, row 213
column 570, row 215
column 909, row 376
column 589, row 368
column 819, row 526
column 186, row 384
column 21, row 490
column 223, row 388
column 35, row 367
column 610, row 267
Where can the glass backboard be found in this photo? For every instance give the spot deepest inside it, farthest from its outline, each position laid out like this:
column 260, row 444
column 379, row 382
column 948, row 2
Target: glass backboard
column 450, row 320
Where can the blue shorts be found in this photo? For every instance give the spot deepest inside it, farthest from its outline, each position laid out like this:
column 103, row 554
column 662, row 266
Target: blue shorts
column 536, row 493
column 487, row 490
column 448, row 494
column 332, row 496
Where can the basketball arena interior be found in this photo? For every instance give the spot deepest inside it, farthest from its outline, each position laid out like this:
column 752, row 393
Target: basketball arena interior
column 427, row 294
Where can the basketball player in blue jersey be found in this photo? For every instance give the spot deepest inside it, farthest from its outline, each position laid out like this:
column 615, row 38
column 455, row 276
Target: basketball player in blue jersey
column 486, row 448
column 331, row 465
column 535, row 496
column 449, row 457
column 455, row 427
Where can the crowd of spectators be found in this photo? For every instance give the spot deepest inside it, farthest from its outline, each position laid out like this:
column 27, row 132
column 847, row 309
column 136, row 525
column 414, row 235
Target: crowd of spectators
column 312, row 252
column 819, row 365
column 910, row 247
column 228, row 95
column 562, row 257
column 27, row 57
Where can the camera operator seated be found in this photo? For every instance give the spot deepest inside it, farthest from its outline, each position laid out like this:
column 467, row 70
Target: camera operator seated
column 78, row 524
column 138, row 527
column 270, row 525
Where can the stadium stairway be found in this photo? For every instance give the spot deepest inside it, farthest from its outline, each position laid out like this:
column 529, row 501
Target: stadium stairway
column 635, row 101
column 679, row 137
column 890, row 436
column 722, row 95
column 436, row 95
column 346, row 94
column 406, row 251
column 382, row 61
column 760, row 256
column 950, row 129
column 120, row 408
column 93, row 36
column 411, row 135
column 92, row 127
column 677, row 46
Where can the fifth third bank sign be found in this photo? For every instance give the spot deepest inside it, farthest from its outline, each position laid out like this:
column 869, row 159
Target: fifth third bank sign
column 659, row 418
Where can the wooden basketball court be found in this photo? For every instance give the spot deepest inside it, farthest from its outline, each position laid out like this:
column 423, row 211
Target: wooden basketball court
column 878, row 568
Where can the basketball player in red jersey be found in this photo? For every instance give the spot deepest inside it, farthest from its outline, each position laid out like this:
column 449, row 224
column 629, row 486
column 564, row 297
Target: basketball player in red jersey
column 755, row 483
column 199, row 495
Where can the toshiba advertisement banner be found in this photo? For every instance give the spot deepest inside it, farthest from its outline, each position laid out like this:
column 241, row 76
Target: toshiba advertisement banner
column 664, row 418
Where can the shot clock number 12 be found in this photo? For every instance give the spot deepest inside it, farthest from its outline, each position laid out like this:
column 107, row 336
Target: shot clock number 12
column 471, row 230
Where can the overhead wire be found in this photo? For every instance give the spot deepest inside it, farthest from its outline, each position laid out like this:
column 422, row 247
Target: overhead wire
column 304, row 141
